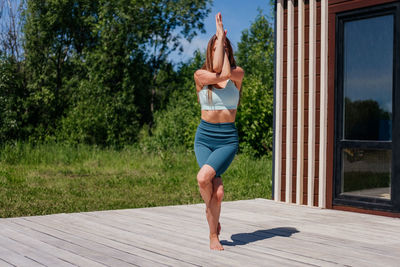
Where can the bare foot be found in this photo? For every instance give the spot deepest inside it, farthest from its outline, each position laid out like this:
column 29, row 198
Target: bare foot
column 214, row 242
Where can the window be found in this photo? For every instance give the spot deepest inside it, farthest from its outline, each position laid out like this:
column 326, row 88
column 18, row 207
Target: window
column 367, row 68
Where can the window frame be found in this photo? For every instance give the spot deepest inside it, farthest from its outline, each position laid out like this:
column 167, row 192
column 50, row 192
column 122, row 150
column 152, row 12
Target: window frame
column 392, row 204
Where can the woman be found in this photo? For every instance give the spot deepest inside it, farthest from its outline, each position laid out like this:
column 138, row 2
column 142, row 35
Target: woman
column 218, row 85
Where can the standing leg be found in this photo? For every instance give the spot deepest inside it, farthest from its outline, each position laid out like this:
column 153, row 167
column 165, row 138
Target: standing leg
column 216, row 200
column 217, row 196
column 204, row 179
column 219, row 159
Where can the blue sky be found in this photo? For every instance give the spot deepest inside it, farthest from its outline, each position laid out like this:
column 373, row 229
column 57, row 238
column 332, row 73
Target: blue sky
column 237, row 15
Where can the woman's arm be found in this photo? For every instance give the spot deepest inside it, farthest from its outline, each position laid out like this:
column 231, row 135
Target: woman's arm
column 237, row 74
column 204, row 77
column 219, row 47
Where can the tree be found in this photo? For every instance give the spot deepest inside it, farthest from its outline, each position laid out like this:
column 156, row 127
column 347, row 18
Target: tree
column 256, row 50
column 56, row 32
column 255, row 113
column 93, row 65
column 175, row 126
column 12, row 75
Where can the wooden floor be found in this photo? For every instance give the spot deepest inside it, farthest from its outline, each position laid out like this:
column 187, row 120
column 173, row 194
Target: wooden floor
column 258, row 232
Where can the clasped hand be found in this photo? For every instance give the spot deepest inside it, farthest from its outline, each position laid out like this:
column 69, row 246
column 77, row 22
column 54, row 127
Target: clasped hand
column 221, row 33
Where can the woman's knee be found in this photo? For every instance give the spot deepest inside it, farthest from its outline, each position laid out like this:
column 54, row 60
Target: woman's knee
column 205, row 175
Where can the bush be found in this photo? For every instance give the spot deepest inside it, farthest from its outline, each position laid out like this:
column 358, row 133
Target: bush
column 12, row 97
column 100, row 117
column 255, row 118
column 175, row 126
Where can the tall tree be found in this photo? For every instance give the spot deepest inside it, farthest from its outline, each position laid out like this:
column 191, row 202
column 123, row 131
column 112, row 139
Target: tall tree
column 122, row 86
column 255, row 115
column 12, row 75
column 256, row 49
column 55, row 33
column 186, row 15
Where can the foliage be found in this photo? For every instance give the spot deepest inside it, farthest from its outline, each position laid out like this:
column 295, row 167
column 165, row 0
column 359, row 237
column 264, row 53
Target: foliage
column 55, row 32
column 256, row 50
column 176, row 125
column 255, row 113
column 95, row 71
column 255, row 118
column 12, row 95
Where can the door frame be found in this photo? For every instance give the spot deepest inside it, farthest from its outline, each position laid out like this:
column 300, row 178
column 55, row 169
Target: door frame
column 336, row 15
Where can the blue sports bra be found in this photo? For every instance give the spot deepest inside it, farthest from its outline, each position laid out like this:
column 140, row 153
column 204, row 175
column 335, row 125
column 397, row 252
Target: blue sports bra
column 224, row 98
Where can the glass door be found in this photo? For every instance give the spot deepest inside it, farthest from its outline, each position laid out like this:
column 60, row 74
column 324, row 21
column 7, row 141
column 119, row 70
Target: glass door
column 367, row 67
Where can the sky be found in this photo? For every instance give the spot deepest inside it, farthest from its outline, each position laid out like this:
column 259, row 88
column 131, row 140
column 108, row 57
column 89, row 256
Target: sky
column 237, row 15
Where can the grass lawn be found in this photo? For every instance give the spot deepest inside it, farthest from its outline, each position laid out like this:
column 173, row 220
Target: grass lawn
column 54, row 178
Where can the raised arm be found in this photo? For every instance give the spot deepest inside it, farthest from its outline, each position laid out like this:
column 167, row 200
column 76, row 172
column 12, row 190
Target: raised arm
column 204, row 77
column 219, row 46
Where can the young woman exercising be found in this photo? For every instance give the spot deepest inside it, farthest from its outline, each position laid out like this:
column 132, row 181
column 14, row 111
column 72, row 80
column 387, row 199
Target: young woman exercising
column 218, row 85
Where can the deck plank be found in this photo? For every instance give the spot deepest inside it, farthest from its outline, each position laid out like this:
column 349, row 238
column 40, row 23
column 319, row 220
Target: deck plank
column 169, row 224
column 155, row 240
column 186, row 239
column 63, row 226
column 77, row 245
column 277, row 243
column 15, row 259
column 31, row 252
column 254, row 232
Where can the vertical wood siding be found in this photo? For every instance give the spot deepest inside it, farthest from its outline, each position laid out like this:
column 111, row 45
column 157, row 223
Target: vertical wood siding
column 304, row 104
column 298, row 83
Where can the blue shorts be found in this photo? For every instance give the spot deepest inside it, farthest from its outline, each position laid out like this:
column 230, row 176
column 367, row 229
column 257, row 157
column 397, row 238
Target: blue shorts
column 216, row 144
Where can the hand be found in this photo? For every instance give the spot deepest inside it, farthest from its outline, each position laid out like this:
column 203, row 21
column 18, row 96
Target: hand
column 220, row 28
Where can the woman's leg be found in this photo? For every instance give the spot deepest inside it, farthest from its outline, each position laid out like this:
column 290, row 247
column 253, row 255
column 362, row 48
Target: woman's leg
column 218, row 195
column 219, row 160
column 204, row 179
column 215, row 202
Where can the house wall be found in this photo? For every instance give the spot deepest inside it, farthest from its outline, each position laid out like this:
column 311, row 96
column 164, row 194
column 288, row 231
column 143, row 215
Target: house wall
column 304, row 101
column 298, row 178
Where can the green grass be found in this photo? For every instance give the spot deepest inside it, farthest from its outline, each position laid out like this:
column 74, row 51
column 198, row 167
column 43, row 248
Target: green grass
column 54, row 178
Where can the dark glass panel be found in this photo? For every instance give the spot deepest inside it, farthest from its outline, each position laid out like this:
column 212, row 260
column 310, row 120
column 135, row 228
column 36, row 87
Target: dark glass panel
column 366, row 172
column 368, row 78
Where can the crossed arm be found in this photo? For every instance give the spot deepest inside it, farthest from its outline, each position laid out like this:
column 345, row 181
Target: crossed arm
column 222, row 69
column 205, row 77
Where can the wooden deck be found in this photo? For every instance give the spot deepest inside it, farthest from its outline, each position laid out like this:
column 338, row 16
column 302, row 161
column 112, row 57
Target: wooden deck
column 258, row 232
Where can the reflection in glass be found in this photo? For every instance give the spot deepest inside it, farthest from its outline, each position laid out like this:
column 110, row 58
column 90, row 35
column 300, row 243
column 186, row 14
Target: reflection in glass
column 366, row 172
column 368, row 78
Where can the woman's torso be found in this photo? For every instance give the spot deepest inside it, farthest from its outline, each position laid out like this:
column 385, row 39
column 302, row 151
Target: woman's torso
column 220, row 116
